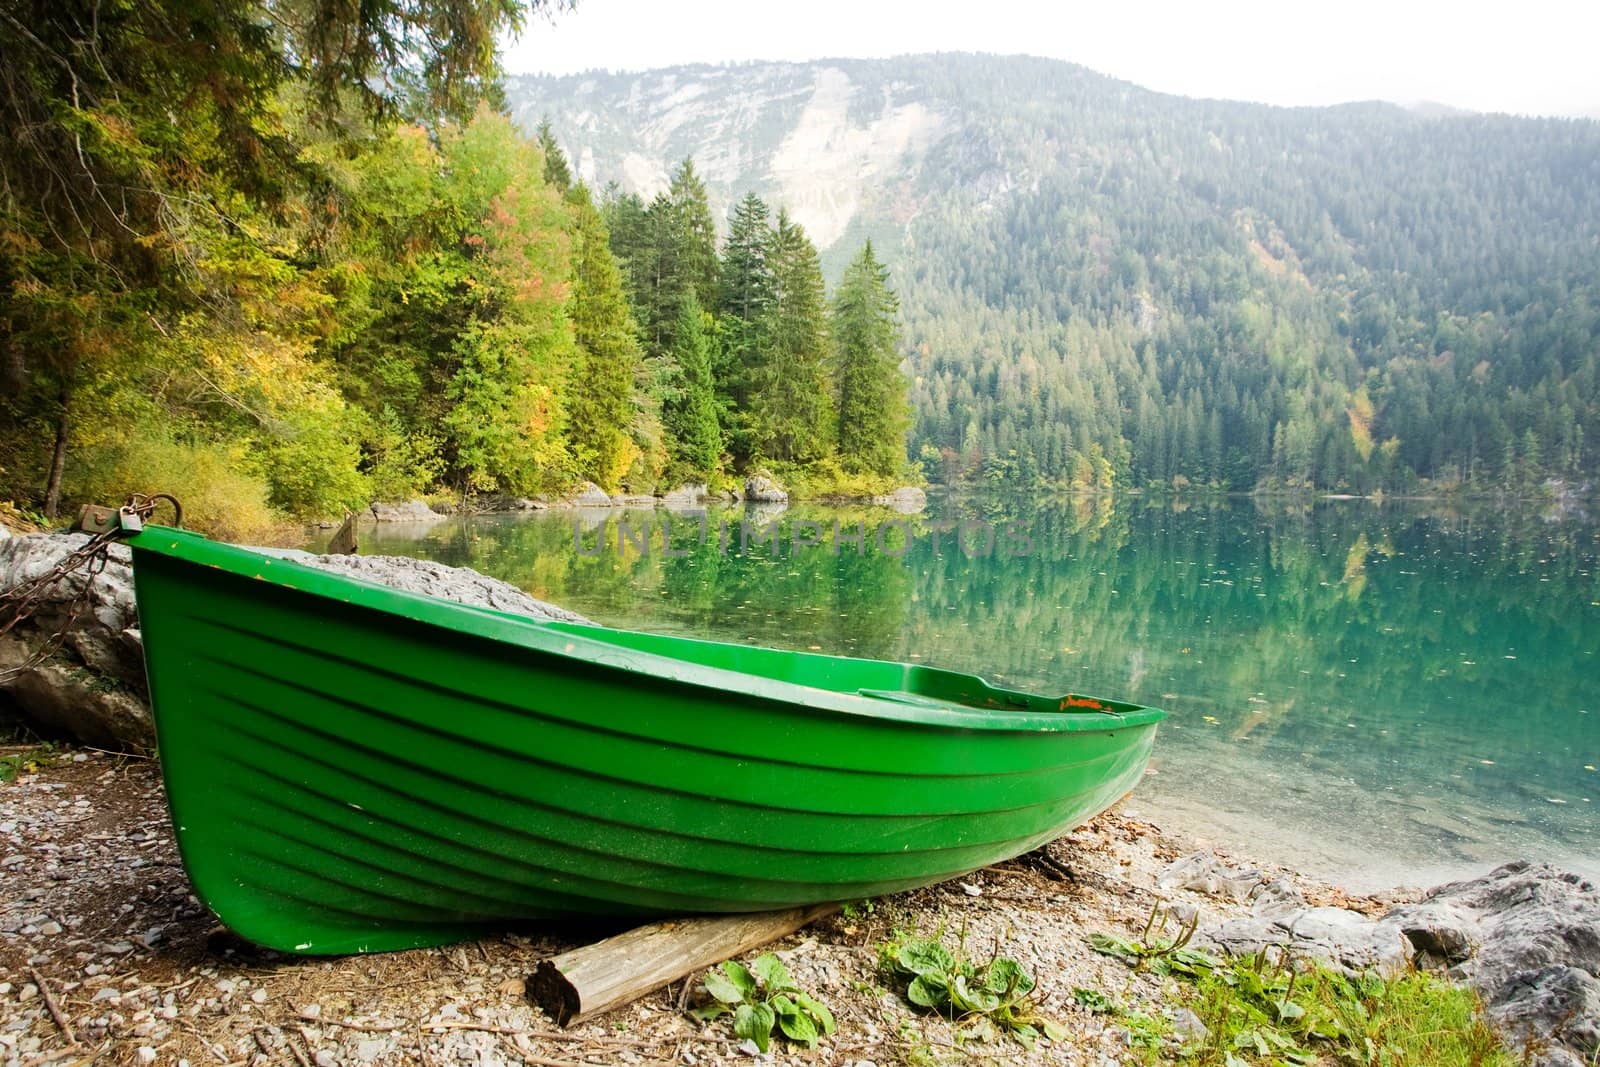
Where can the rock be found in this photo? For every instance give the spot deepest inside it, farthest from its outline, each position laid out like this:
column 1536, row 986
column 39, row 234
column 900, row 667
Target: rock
column 589, row 495
column 762, row 488
column 50, row 928
column 71, row 701
column 461, row 584
column 93, row 689
column 1527, row 937
column 692, row 495
column 907, row 500
column 407, row 511
column 1208, row 874
column 1344, row 939
column 1555, row 1010
column 1187, row 1027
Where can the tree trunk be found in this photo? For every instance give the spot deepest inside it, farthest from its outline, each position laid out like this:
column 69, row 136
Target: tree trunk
column 58, row 458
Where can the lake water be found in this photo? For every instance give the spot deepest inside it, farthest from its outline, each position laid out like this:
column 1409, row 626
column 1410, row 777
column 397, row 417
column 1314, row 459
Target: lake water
column 1375, row 694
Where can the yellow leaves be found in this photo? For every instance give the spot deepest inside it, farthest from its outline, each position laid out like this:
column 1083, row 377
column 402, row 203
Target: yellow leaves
column 1360, row 414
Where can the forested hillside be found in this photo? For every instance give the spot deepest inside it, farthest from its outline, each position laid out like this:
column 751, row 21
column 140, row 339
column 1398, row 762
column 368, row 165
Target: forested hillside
column 344, row 274
column 1104, row 285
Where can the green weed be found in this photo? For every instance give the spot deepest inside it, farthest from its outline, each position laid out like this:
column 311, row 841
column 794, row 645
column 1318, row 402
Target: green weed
column 761, row 998
column 985, row 1000
column 26, row 761
column 1268, row 1008
column 1155, row 952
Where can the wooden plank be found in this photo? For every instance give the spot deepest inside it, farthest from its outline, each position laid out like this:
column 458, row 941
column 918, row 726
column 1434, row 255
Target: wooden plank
column 587, row 981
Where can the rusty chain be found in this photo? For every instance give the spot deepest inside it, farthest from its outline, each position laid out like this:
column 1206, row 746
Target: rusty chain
column 22, row 601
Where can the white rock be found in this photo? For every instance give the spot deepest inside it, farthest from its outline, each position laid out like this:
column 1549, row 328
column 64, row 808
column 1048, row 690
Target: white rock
column 146, row 1054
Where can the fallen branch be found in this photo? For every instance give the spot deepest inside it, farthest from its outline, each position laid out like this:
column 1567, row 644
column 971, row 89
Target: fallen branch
column 511, row 1031
column 50, row 1004
column 529, row 1055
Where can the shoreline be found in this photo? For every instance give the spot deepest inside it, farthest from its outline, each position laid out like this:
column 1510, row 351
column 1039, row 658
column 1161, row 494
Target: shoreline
column 94, row 902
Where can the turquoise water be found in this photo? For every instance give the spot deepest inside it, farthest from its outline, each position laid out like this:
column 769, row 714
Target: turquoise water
column 1376, row 694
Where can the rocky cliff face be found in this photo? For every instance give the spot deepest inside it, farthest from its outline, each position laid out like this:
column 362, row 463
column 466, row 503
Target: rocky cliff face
column 814, row 138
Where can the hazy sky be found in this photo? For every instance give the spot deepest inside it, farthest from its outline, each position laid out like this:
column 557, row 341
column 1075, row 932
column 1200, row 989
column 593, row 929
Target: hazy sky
column 1531, row 56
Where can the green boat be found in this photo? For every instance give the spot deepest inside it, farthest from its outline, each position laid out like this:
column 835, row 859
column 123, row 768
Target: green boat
column 351, row 768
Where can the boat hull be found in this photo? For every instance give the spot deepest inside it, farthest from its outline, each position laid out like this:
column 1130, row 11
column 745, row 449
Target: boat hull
column 350, row 768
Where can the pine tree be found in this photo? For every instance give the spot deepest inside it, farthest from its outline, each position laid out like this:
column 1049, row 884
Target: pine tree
column 690, row 412
column 872, row 393
column 556, row 171
column 745, row 303
column 600, row 401
column 625, row 220
column 790, row 407
column 695, row 232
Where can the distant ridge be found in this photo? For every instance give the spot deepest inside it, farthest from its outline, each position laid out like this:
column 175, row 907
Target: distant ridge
column 1348, row 297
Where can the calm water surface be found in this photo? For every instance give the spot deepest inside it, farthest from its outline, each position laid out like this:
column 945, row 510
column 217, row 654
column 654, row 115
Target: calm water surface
column 1375, row 694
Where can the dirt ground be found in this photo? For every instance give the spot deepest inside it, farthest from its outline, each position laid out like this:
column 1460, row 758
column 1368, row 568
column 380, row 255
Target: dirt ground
column 106, row 957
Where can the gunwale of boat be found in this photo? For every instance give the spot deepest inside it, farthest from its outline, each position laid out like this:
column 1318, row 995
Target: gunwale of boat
column 606, row 647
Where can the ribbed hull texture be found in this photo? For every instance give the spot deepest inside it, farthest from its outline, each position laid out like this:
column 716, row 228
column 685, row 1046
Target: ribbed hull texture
column 348, row 779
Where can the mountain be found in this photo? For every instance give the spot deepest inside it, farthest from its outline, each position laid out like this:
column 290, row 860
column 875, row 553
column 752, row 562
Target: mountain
column 1100, row 281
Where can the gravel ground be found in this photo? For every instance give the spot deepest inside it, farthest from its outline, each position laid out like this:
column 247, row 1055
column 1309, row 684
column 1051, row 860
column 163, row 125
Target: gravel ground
column 106, row 957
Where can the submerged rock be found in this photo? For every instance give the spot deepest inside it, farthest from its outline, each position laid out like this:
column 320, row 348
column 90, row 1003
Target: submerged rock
column 93, row 687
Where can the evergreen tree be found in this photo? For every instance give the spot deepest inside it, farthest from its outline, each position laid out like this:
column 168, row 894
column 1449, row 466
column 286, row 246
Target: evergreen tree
column 790, row 407
column 624, row 216
column 556, row 171
column 600, row 403
column 872, row 393
column 690, row 412
column 746, row 299
column 694, row 231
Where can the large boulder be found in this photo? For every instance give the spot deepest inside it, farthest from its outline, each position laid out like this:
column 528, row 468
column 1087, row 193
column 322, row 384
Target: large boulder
column 691, row 495
column 762, row 488
column 589, row 495
column 404, row 511
column 1525, row 937
column 907, row 500
column 93, row 687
